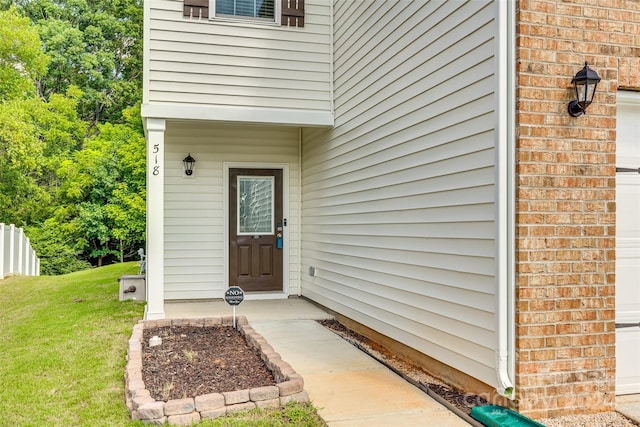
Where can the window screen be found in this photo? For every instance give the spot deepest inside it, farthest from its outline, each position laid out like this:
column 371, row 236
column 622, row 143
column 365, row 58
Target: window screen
column 248, row 8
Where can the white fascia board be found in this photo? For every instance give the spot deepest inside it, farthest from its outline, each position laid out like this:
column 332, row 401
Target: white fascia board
column 234, row 114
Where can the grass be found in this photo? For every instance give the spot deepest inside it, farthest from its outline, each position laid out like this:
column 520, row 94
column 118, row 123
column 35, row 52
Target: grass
column 63, row 345
column 62, row 354
column 293, row 414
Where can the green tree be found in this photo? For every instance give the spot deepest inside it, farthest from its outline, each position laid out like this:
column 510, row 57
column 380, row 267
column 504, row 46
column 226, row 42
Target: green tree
column 35, row 136
column 96, row 46
column 127, row 207
column 104, row 185
column 22, row 61
column 72, row 155
column 55, row 248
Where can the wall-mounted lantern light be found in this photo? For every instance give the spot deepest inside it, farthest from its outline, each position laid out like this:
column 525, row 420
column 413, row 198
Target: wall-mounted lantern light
column 188, row 165
column 584, row 83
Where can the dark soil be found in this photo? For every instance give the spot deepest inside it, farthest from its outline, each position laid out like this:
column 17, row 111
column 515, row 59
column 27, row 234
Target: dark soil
column 463, row 401
column 192, row 361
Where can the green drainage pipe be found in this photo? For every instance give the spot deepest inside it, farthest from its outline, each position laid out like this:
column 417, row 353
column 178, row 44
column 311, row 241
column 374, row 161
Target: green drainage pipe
column 498, row 416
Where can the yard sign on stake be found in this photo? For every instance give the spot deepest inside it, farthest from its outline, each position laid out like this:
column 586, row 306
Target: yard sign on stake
column 234, row 296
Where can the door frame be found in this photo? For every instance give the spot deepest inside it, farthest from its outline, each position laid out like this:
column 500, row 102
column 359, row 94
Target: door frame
column 284, row 167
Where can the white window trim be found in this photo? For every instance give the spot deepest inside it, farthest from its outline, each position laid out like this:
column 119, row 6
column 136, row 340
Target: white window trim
column 247, row 19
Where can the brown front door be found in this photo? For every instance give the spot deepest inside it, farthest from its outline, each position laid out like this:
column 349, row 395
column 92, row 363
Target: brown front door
column 255, row 229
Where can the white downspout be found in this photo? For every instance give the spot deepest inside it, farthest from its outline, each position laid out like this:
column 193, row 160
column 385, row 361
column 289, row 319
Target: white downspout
column 505, row 161
column 299, row 242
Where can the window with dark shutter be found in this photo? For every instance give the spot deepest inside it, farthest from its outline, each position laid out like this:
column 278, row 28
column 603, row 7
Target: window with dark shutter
column 293, row 13
column 196, row 8
column 260, row 10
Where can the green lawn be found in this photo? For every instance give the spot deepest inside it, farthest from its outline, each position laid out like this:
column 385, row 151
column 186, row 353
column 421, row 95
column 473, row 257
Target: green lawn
column 62, row 354
column 62, row 346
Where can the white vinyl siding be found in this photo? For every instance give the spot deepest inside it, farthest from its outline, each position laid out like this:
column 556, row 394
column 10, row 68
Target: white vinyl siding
column 241, row 64
column 194, row 207
column 399, row 199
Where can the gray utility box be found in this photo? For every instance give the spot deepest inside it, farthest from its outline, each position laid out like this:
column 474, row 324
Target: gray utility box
column 133, row 287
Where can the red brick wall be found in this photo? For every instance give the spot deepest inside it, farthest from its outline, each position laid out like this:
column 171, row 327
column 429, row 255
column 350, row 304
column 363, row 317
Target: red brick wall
column 565, row 211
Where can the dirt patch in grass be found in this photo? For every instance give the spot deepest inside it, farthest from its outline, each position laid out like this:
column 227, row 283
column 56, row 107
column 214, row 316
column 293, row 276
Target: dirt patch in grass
column 193, row 361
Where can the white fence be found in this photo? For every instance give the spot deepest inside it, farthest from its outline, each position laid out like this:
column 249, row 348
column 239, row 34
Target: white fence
column 16, row 254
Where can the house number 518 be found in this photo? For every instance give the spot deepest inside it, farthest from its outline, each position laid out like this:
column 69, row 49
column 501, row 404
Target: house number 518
column 156, row 167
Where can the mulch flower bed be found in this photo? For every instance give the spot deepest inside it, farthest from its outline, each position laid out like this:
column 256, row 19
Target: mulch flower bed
column 193, row 361
column 204, row 369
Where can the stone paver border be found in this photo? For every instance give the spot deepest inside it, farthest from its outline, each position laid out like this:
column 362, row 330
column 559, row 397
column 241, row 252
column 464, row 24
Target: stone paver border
column 289, row 385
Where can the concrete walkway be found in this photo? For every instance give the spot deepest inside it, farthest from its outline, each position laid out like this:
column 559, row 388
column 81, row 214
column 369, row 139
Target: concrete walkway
column 348, row 387
column 629, row 406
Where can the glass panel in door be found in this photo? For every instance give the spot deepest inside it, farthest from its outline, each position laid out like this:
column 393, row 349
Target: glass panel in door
column 255, row 205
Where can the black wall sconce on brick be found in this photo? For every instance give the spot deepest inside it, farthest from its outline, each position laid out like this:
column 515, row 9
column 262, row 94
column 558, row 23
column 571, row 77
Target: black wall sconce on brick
column 584, row 84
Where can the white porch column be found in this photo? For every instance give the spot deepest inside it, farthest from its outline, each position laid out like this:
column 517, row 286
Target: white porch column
column 155, row 218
